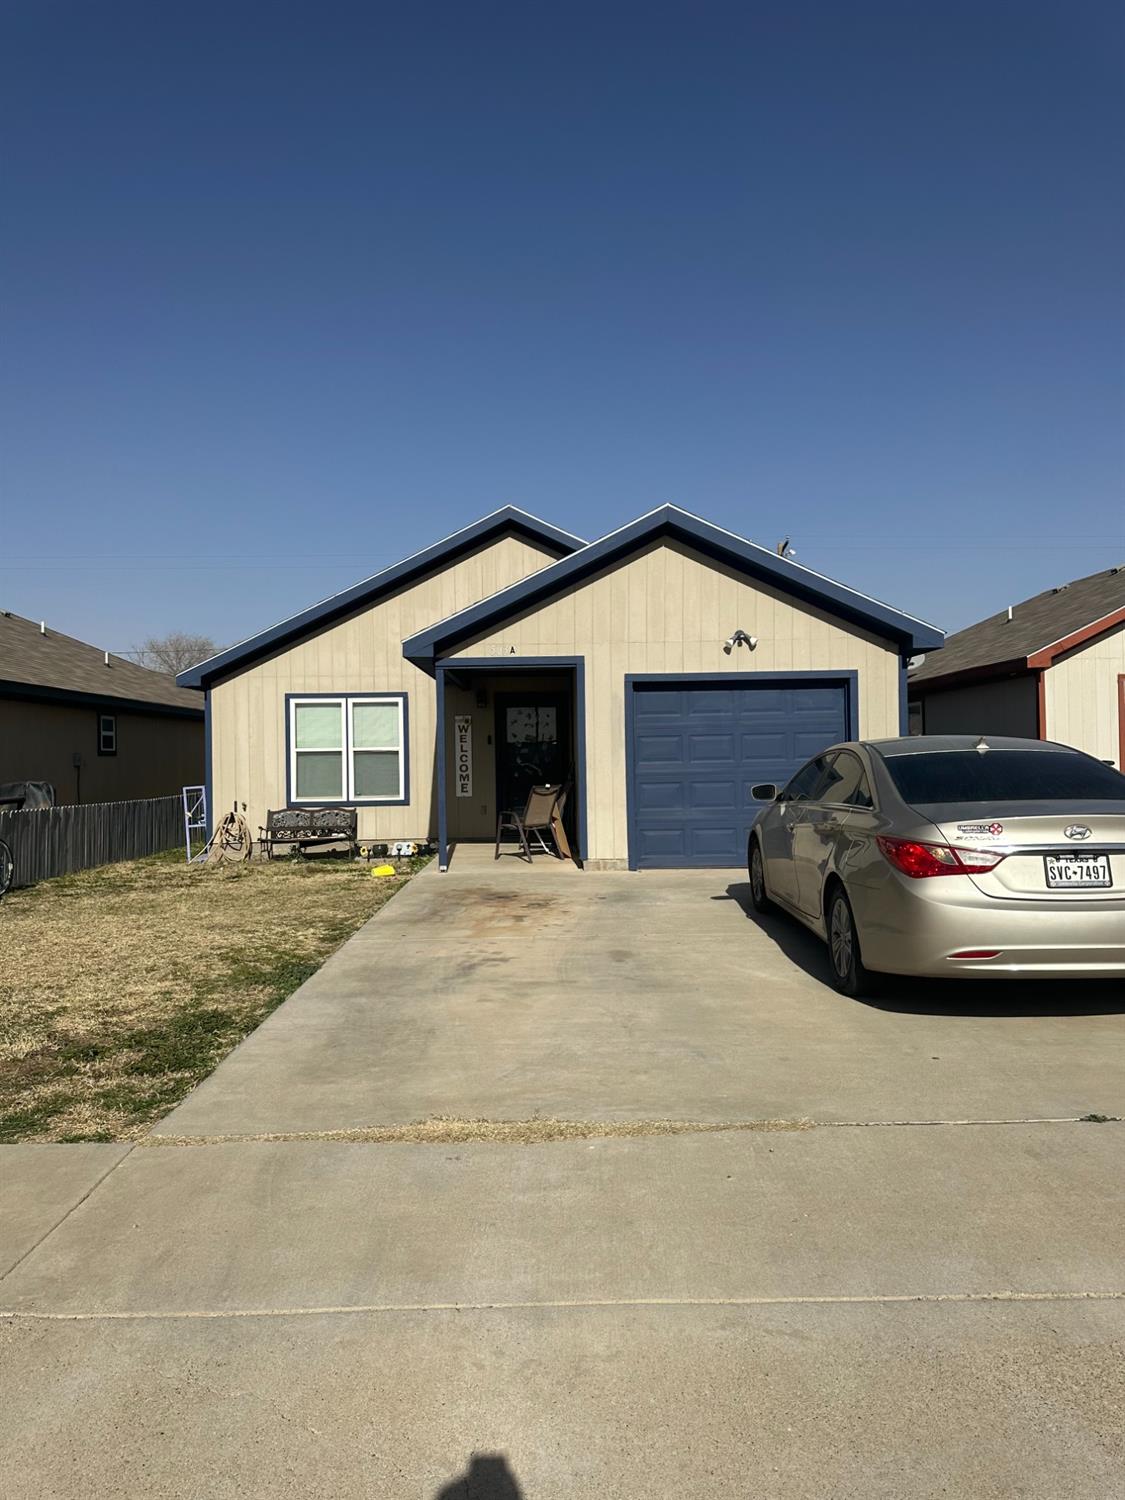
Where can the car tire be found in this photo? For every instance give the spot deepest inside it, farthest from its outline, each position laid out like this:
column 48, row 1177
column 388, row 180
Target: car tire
column 756, row 868
column 849, row 975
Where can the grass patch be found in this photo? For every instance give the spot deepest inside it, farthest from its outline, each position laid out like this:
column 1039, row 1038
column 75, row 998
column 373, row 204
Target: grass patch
column 122, row 987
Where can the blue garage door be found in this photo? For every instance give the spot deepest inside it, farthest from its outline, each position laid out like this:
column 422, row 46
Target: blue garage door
column 697, row 750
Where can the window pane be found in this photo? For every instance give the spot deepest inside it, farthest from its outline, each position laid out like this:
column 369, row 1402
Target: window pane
column 319, row 775
column 376, row 773
column 846, row 782
column 807, row 780
column 1003, row 776
column 375, row 724
column 318, row 726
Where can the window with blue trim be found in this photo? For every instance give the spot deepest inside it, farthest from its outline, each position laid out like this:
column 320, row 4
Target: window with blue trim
column 350, row 748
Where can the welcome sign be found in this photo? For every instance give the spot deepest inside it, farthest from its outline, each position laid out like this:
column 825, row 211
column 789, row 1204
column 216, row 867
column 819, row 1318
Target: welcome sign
column 463, row 753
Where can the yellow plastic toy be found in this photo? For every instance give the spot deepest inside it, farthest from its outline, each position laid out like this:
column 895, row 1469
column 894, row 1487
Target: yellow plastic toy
column 384, row 870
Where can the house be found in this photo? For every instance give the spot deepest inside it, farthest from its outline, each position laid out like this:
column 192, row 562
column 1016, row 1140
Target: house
column 663, row 669
column 1052, row 668
column 97, row 727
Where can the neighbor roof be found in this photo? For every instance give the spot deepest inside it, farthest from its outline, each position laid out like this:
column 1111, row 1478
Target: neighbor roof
column 669, row 520
column 509, row 520
column 1040, row 628
column 46, row 664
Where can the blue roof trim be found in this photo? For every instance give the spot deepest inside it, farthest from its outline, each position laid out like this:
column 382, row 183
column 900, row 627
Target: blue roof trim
column 713, row 541
column 508, row 519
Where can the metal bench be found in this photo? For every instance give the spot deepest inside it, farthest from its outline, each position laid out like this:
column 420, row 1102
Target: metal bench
column 307, row 827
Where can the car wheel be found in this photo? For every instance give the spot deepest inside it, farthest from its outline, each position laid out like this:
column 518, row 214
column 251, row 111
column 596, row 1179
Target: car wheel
column 848, row 973
column 758, row 898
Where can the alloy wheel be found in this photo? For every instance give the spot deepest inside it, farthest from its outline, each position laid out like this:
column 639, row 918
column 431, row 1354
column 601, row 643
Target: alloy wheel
column 841, row 937
column 757, row 878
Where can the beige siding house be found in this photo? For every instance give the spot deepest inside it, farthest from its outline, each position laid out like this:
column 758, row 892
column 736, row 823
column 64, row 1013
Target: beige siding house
column 658, row 673
column 1052, row 667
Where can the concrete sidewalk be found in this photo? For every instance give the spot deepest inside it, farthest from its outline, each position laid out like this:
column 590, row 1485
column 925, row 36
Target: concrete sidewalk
column 869, row 1212
column 871, row 1312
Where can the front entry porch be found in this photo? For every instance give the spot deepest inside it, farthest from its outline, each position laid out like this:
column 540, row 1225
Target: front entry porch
column 504, row 726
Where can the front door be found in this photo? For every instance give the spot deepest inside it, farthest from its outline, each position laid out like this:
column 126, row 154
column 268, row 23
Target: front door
column 532, row 745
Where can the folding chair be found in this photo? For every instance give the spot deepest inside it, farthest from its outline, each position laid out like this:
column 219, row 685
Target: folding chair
column 535, row 820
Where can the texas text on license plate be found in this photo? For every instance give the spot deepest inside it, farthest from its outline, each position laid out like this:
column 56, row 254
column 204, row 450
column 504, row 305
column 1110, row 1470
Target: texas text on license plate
column 1067, row 870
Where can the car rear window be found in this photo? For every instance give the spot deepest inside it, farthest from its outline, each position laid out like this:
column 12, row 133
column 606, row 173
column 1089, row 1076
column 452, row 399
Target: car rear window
column 1003, row 776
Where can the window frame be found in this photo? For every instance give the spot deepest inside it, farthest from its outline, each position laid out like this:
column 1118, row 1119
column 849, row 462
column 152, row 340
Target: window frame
column 347, row 702
column 103, row 720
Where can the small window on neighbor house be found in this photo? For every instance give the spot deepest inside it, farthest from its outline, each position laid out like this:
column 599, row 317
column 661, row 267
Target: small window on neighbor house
column 347, row 749
column 107, row 734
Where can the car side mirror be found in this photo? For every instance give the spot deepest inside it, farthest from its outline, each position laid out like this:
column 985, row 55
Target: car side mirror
column 765, row 791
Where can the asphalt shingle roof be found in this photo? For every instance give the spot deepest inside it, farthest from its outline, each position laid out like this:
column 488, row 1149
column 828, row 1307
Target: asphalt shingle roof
column 54, row 661
column 1035, row 624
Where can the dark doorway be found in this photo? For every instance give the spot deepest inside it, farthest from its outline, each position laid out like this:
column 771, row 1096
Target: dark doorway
column 533, row 745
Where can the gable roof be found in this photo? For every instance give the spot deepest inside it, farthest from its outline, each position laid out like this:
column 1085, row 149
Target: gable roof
column 724, row 546
column 1040, row 629
column 47, row 665
column 508, row 520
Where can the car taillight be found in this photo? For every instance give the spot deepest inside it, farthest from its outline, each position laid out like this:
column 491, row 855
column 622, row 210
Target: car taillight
column 919, row 861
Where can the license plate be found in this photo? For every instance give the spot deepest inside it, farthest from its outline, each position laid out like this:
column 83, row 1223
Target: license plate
column 1067, row 871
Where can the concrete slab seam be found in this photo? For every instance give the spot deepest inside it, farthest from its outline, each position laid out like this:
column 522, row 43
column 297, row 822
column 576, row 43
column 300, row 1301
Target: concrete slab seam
column 562, row 1305
column 549, row 1132
column 78, row 1204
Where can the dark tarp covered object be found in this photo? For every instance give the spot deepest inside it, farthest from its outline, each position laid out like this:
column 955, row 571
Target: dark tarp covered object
column 19, row 796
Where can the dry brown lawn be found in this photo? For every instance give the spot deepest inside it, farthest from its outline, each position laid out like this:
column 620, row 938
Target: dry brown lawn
column 122, row 987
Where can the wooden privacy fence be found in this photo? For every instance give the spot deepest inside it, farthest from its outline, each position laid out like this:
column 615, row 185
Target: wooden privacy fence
column 50, row 841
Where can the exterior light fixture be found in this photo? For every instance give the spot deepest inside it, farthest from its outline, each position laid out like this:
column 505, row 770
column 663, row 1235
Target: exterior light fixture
column 739, row 638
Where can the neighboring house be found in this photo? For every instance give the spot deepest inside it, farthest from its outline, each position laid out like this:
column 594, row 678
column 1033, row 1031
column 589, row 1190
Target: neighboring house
column 97, row 727
column 436, row 692
column 1051, row 668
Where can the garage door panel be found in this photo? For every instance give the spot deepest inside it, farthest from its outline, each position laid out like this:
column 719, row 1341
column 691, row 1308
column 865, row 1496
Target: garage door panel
column 777, row 701
column 660, row 703
column 709, row 795
column 696, row 752
column 756, row 746
column 661, row 796
column 663, row 846
column 703, row 703
column 716, row 846
column 702, row 748
column 810, row 742
column 662, row 749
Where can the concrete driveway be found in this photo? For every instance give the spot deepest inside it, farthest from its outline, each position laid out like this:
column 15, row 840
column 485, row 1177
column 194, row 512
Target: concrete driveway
column 849, row 1308
column 498, row 992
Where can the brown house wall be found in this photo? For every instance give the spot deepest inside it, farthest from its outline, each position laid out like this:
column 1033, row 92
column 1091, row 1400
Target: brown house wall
column 156, row 754
column 1006, row 705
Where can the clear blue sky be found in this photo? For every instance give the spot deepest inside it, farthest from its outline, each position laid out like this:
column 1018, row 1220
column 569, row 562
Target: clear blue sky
column 290, row 291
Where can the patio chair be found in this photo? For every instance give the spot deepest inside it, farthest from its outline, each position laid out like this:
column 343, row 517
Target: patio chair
column 534, row 821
